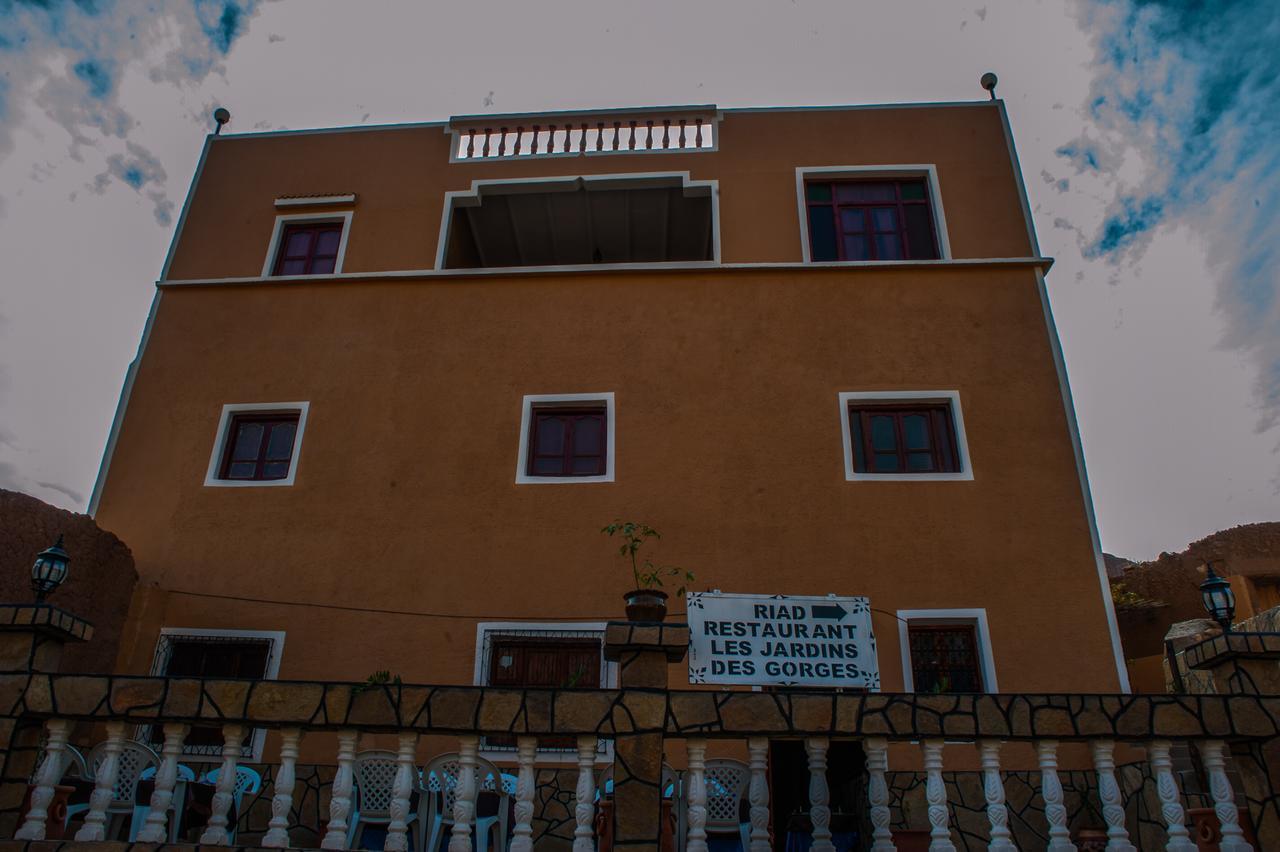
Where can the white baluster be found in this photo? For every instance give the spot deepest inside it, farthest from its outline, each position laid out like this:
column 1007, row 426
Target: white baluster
column 522, row 834
column 584, row 796
column 464, row 803
column 224, row 792
column 277, row 836
column 335, row 836
column 55, row 753
column 819, row 809
column 401, row 788
column 935, row 790
column 1051, row 791
column 877, row 750
column 993, row 788
column 1170, row 798
column 153, row 830
column 758, row 794
column 95, row 820
column 1224, row 801
column 697, row 796
column 1109, row 793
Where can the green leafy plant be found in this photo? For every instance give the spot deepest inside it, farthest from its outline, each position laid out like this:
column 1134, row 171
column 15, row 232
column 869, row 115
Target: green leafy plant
column 378, row 678
column 1123, row 596
column 647, row 575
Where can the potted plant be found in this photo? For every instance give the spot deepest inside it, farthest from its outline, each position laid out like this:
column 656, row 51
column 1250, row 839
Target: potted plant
column 646, row 601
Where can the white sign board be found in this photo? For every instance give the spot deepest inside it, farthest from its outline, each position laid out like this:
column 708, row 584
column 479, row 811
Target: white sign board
column 781, row 640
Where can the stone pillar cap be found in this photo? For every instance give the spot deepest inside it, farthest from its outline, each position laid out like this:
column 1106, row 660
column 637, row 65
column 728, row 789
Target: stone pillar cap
column 45, row 619
column 623, row 637
column 1228, row 646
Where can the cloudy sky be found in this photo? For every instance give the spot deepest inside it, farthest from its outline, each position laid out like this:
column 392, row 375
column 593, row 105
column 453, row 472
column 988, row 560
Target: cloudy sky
column 1147, row 132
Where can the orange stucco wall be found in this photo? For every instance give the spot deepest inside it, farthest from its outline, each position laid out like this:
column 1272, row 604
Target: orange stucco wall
column 400, row 176
column 728, row 428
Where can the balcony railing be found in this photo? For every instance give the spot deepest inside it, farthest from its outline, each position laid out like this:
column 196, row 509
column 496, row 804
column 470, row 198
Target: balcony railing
column 41, row 711
column 513, row 137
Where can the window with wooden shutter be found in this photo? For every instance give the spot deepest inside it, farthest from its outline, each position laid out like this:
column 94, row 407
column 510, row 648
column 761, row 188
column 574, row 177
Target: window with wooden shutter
column 556, row 663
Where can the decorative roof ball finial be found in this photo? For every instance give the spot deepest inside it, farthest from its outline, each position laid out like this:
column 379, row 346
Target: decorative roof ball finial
column 221, row 116
column 988, row 82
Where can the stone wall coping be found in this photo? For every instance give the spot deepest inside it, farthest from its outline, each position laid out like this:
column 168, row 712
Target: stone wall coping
column 1224, row 647
column 613, row 712
column 627, row 637
column 45, row 619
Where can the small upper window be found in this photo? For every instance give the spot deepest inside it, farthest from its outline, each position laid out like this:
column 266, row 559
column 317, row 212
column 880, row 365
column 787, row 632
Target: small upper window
column 917, row 437
column 944, row 658
column 568, row 441
column 870, row 220
column 308, row 249
column 259, row 446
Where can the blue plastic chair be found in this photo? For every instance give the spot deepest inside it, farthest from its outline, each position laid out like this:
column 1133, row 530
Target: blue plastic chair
column 247, row 781
column 140, row 811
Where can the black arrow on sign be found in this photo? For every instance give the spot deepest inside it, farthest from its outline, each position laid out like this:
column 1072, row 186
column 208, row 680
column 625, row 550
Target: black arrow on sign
column 829, row 611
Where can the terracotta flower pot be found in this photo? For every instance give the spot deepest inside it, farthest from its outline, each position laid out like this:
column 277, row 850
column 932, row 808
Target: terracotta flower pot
column 1091, row 839
column 911, row 839
column 646, row 605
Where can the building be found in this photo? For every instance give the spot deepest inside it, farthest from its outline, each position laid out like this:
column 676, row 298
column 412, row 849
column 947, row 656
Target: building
column 395, row 379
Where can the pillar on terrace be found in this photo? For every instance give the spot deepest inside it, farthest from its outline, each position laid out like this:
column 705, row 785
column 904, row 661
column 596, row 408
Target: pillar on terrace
column 32, row 638
column 643, row 651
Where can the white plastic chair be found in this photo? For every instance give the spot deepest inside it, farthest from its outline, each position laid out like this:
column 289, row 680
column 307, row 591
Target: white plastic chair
column 440, row 778
column 247, row 781
column 727, row 782
column 135, row 758
column 140, row 810
column 375, row 778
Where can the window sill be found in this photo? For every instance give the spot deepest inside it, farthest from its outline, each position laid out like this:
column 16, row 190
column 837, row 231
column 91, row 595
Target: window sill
column 249, row 483
column 525, row 479
column 962, row 476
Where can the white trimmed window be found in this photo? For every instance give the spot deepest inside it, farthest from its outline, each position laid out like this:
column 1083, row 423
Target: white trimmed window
column 864, row 214
column 566, row 438
column 206, row 653
column 946, row 651
column 307, row 244
column 562, row 655
column 904, row 435
column 257, row 444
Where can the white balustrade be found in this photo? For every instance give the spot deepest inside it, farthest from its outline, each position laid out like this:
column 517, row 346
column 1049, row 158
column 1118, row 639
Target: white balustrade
column 50, row 773
column 1224, row 800
column 1109, row 792
column 603, row 135
column 584, row 796
column 154, row 829
column 696, row 796
column 1179, row 840
column 95, row 820
column 819, row 798
column 224, row 791
column 758, row 794
column 464, row 803
column 522, row 834
column 935, row 790
column 1051, row 790
column 335, row 836
column 993, row 789
column 401, row 789
column 877, row 751
column 277, row 836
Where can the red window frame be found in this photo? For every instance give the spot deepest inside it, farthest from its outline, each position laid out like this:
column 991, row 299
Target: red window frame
column 944, row 456
column 269, row 421
column 309, row 257
column 944, row 658
column 899, row 204
column 568, row 456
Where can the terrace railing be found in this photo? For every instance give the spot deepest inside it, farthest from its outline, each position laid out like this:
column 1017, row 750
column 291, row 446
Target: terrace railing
column 517, row 137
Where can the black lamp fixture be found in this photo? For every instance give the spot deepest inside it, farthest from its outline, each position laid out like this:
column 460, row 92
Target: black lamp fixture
column 1219, row 600
column 50, row 570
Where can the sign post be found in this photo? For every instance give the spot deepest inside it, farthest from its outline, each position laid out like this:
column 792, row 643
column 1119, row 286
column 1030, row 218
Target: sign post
column 781, row 640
